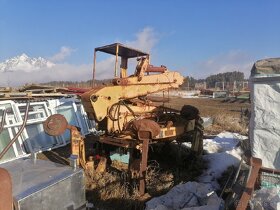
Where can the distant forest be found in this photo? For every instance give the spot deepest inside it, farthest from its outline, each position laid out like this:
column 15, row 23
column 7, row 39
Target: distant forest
column 227, row 77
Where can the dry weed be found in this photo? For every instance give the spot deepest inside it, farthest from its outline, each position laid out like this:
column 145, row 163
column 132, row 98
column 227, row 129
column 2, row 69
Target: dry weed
column 110, row 191
column 158, row 181
column 226, row 122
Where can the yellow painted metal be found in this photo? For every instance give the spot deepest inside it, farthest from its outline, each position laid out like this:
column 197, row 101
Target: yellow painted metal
column 173, row 78
column 98, row 101
column 113, row 107
column 77, row 146
column 176, row 130
column 116, row 63
column 123, row 72
column 124, row 116
column 141, row 68
column 170, row 132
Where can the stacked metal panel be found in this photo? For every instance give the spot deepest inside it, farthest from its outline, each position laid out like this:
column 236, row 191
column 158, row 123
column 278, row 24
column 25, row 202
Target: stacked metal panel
column 33, row 137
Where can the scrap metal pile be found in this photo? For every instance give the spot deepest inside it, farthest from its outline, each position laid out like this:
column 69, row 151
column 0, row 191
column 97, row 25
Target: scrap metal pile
column 123, row 115
column 26, row 181
column 120, row 114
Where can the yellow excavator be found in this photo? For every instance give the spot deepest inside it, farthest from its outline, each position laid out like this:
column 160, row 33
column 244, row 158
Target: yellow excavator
column 129, row 119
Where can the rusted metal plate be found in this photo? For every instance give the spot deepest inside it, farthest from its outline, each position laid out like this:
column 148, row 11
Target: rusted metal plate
column 270, row 170
column 120, row 142
column 6, row 199
column 120, row 81
column 160, row 69
column 143, row 166
column 123, row 50
column 55, row 125
column 144, row 127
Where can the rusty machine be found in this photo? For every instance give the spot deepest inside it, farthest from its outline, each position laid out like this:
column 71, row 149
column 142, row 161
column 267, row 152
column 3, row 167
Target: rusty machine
column 129, row 120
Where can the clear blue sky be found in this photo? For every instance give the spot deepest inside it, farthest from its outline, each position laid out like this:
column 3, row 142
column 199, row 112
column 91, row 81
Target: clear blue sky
column 196, row 37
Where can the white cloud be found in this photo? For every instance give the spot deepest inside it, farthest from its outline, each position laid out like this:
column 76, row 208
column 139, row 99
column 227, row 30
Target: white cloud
column 59, row 72
column 145, row 40
column 62, row 54
column 235, row 60
column 105, row 68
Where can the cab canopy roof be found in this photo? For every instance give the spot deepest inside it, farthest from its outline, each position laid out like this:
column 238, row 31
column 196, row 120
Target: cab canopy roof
column 123, row 51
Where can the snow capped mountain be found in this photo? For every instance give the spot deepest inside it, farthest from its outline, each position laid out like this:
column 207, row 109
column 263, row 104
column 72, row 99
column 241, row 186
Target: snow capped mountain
column 24, row 63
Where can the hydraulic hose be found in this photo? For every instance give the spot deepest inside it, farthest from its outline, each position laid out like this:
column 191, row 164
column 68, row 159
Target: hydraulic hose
column 116, row 115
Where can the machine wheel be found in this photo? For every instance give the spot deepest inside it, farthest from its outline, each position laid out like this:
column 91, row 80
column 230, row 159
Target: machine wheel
column 196, row 136
column 189, row 112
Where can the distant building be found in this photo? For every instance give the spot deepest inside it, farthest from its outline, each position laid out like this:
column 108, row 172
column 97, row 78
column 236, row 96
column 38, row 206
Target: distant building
column 200, row 85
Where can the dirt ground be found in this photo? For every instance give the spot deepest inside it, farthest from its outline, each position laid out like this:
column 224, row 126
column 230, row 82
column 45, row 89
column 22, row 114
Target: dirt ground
column 210, row 107
column 227, row 114
column 111, row 190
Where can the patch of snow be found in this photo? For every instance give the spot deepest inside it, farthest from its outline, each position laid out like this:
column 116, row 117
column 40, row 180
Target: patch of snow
column 217, row 164
column 222, row 153
column 224, row 141
column 185, row 93
column 188, row 196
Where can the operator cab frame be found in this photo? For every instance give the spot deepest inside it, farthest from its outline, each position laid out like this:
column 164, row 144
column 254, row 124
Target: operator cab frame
column 119, row 50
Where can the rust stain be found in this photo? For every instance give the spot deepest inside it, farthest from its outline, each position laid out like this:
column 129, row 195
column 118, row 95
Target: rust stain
column 6, row 199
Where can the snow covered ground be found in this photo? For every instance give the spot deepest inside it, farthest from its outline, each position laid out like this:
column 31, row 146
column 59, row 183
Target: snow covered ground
column 188, row 196
column 222, row 152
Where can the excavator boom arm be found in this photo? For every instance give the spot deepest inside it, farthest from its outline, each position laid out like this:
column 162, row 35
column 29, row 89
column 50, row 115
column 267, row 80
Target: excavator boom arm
column 98, row 101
